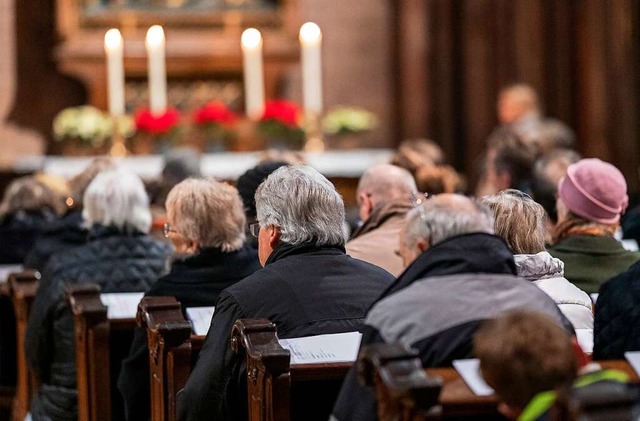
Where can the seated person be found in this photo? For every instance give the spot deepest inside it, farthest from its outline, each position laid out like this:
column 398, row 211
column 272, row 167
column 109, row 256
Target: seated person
column 206, row 224
column 521, row 222
column 68, row 230
column 459, row 274
column 27, row 207
column 120, row 257
column 591, row 198
column 308, row 286
column 527, row 358
column 383, row 198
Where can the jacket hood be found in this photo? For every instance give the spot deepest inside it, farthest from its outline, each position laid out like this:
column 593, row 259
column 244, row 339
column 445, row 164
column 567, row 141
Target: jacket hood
column 467, row 253
column 538, row 266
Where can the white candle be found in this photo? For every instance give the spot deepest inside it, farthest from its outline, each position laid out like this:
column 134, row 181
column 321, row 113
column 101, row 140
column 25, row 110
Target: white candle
column 310, row 41
column 157, row 71
column 115, row 71
column 253, row 75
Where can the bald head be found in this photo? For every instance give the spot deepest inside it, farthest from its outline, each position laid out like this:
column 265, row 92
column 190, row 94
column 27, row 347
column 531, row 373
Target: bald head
column 381, row 185
column 439, row 219
column 517, row 101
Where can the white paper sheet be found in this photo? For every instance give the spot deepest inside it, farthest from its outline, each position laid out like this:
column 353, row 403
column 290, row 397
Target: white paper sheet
column 585, row 339
column 469, row 370
column 339, row 347
column 594, row 297
column 200, row 318
column 121, row 305
column 5, row 270
column 630, row 245
column 634, row 360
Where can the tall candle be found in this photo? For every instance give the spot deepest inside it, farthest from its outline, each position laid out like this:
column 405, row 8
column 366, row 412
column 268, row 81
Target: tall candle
column 310, row 41
column 155, row 43
column 253, row 74
column 115, row 71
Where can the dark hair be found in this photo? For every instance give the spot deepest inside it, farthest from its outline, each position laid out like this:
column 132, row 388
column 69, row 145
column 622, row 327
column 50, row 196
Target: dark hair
column 513, row 156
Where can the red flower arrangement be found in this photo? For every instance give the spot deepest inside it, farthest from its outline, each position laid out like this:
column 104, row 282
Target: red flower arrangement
column 157, row 124
column 280, row 123
column 214, row 113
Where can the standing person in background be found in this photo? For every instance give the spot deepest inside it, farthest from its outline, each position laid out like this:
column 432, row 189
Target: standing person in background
column 383, row 198
column 591, row 198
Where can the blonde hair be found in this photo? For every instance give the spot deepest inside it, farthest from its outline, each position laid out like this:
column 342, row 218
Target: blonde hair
column 519, row 221
column 208, row 212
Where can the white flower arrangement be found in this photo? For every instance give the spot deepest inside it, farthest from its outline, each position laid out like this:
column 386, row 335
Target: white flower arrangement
column 89, row 125
column 343, row 120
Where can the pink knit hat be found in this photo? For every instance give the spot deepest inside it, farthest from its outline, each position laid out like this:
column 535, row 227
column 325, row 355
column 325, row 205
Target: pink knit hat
column 594, row 190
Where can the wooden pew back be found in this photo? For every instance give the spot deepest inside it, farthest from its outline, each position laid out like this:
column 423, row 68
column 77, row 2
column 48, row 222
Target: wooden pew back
column 22, row 289
column 101, row 344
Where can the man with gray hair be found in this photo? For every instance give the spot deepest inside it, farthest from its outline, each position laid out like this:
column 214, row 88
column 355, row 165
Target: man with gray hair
column 459, row 274
column 308, row 286
column 383, row 200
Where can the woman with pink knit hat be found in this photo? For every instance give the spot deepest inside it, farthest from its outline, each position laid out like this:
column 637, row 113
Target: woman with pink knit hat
column 591, row 198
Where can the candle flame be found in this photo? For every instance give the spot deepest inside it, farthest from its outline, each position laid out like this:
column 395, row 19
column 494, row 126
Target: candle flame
column 112, row 39
column 251, row 38
column 155, row 35
column 310, row 32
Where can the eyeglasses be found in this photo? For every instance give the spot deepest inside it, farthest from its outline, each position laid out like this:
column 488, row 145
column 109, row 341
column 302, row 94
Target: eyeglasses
column 417, row 199
column 254, row 228
column 166, row 229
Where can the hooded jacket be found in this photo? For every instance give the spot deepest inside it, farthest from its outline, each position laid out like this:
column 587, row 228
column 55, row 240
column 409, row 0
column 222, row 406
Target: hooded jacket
column 547, row 273
column 438, row 303
column 118, row 263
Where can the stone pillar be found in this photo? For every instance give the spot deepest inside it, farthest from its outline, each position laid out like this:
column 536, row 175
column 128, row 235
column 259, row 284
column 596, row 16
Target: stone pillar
column 14, row 141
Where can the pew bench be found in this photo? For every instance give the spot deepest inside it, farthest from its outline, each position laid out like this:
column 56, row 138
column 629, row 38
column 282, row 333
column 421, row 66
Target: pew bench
column 102, row 341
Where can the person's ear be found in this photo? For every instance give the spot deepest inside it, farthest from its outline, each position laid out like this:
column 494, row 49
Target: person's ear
column 274, row 237
column 366, row 205
column 191, row 246
column 423, row 245
column 503, row 180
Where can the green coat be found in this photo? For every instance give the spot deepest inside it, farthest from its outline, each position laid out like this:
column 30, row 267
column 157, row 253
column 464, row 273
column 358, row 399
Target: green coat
column 590, row 261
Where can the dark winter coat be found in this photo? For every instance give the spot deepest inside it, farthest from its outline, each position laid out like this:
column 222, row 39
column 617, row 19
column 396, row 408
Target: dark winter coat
column 18, row 233
column 115, row 261
column 305, row 290
column 438, row 303
column 195, row 282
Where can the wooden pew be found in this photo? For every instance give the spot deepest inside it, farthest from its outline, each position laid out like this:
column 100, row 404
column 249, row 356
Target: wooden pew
column 400, row 382
column 271, row 379
column 100, row 342
column 22, row 289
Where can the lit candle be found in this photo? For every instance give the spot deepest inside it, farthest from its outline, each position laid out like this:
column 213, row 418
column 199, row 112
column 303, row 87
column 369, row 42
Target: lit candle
column 157, row 72
column 310, row 41
column 253, row 76
column 115, row 71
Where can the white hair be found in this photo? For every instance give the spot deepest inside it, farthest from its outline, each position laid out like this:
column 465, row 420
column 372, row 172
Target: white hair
column 303, row 204
column 439, row 220
column 117, row 198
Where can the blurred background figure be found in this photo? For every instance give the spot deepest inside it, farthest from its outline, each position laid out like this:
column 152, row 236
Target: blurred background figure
column 179, row 164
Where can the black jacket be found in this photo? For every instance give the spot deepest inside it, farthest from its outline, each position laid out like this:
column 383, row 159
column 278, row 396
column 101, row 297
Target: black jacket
column 118, row 263
column 616, row 328
column 305, row 290
column 438, row 303
column 61, row 234
column 195, row 282
column 18, row 233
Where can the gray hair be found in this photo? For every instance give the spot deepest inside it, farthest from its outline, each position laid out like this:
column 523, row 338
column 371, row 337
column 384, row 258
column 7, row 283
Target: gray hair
column 446, row 216
column 303, row 204
column 208, row 212
column 117, row 198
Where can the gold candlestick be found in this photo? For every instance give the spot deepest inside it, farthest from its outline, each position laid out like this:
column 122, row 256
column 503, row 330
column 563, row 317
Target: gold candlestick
column 118, row 148
column 313, row 133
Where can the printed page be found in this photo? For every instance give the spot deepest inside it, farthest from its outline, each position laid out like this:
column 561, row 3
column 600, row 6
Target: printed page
column 469, row 370
column 200, row 318
column 594, row 297
column 5, row 270
column 585, row 339
column 335, row 348
column 634, row 360
column 121, row 305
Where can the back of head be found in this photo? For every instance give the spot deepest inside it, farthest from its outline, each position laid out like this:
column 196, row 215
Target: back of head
column 548, row 170
column 385, row 183
column 180, row 164
column 524, row 353
column 519, row 220
column 117, row 198
column 445, row 216
column 248, row 183
column 79, row 183
column 513, row 156
column 414, row 153
column 29, row 195
column 207, row 212
column 550, row 135
column 303, row 204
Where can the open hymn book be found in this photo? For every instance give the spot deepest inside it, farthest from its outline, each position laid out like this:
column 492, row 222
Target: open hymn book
column 334, row 348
